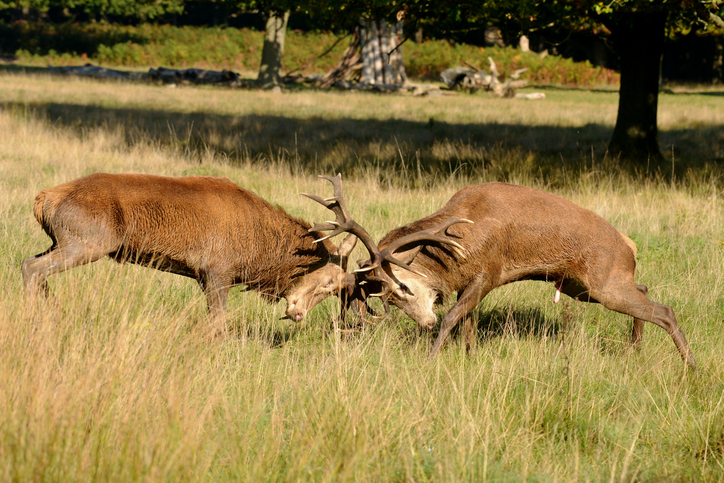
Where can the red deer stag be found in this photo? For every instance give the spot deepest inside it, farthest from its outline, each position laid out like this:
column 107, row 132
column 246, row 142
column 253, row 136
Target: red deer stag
column 513, row 233
column 205, row 228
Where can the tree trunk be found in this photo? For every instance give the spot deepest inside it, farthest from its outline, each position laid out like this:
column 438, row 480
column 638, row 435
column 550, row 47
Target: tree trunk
column 639, row 41
column 381, row 53
column 273, row 51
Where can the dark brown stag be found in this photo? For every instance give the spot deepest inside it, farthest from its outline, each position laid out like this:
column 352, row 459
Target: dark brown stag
column 205, row 228
column 513, row 233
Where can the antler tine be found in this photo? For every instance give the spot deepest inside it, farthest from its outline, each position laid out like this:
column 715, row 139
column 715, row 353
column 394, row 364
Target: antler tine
column 334, row 203
column 431, row 234
column 386, row 305
column 343, row 222
column 383, row 279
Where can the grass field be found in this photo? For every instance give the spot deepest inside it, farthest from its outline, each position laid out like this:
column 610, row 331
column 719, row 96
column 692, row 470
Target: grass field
column 115, row 381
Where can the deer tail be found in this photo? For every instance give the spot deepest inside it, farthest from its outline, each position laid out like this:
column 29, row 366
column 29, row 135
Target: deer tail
column 630, row 243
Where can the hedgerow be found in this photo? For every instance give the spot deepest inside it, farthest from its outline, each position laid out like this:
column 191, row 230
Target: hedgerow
column 240, row 50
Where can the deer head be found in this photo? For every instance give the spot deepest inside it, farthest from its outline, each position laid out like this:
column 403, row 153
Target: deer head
column 384, row 275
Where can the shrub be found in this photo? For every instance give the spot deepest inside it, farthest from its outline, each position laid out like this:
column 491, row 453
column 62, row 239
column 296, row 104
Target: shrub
column 240, row 50
column 428, row 59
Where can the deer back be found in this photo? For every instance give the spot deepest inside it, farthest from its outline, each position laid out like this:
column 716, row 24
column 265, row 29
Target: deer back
column 518, row 233
column 190, row 224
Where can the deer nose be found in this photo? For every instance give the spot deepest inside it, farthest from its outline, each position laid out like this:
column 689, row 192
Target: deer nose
column 295, row 313
column 428, row 322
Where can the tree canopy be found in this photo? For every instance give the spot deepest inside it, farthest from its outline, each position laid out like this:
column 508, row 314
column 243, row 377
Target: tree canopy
column 140, row 9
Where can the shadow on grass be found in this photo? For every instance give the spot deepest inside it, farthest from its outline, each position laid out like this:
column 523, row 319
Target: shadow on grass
column 274, row 336
column 398, row 151
column 509, row 321
column 22, row 69
column 530, row 322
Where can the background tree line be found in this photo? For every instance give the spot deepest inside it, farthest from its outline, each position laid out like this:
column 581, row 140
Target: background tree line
column 635, row 30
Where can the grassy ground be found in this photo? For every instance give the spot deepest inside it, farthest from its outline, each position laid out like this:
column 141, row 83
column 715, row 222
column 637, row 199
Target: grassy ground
column 116, row 382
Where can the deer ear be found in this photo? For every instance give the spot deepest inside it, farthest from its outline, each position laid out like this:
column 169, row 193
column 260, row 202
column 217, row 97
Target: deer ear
column 345, row 248
column 408, row 256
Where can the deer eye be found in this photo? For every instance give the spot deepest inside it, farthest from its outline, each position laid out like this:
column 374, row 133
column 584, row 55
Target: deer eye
column 404, row 289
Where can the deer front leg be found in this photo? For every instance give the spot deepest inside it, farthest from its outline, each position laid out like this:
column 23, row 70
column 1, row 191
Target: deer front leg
column 217, row 292
column 470, row 330
column 467, row 301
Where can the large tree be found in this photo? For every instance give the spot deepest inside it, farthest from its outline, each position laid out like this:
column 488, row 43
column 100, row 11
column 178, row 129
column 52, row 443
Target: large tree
column 273, row 50
column 637, row 30
column 276, row 16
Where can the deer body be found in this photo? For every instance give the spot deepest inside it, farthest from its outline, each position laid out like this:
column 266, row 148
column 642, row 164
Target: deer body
column 205, row 228
column 519, row 233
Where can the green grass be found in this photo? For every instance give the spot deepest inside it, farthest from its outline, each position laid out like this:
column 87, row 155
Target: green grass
column 115, row 380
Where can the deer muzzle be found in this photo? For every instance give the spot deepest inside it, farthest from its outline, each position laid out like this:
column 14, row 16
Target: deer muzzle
column 295, row 312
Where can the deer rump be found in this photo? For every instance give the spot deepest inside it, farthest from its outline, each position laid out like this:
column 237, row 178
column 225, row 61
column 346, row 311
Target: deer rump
column 492, row 234
column 205, row 228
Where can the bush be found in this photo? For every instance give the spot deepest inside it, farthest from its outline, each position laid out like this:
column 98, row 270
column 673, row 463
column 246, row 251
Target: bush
column 428, row 59
column 219, row 48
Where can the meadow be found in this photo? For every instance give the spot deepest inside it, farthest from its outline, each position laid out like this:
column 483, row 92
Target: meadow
column 115, row 379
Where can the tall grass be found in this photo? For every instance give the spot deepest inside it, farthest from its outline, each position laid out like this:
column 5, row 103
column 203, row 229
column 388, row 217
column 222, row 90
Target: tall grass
column 113, row 379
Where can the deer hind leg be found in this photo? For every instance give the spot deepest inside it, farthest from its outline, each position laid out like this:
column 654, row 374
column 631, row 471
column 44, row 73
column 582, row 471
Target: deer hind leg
column 468, row 299
column 630, row 299
column 58, row 258
column 637, row 331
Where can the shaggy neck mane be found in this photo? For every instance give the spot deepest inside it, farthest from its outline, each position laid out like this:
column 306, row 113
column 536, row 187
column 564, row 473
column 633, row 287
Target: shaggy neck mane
column 292, row 254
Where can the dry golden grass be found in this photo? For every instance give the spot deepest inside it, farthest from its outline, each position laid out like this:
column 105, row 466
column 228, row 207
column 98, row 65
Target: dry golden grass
column 113, row 380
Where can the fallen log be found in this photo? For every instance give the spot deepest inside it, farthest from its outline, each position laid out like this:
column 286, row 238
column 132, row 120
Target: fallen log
column 471, row 78
column 162, row 74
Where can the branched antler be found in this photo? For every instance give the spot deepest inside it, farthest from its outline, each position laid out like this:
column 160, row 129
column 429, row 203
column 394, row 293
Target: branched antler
column 343, row 223
column 429, row 235
column 377, row 271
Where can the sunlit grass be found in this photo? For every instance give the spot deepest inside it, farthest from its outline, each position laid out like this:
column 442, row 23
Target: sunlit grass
column 114, row 378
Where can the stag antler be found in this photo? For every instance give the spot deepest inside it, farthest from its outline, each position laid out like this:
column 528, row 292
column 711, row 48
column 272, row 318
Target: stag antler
column 344, row 223
column 429, row 235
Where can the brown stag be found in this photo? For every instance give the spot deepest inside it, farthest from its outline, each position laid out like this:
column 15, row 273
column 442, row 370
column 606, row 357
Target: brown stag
column 205, row 228
column 512, row 233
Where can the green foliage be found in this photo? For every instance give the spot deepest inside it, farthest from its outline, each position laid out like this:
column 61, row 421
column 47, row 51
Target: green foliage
column 240, row 50
column 143, row 9
column 562, row 15
column 37, row 5
column 428, row 59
